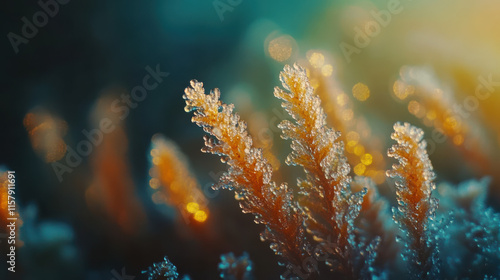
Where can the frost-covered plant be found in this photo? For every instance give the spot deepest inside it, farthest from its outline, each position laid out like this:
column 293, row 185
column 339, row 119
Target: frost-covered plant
column 164, row 270
column 326, row 196
column 416, row 207
column 346, row 219
column 249, row 174
column 472, row 237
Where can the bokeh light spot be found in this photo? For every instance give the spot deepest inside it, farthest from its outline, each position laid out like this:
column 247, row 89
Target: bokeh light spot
column 316, row 59
column 192, row 207
column 281, row 48
column 360, row 91
column 327, row 70
column 359, row 169
column 200, row 216
column 367, row 159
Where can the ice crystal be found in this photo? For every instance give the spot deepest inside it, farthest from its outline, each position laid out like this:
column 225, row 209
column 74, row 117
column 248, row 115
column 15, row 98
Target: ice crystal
column 163, row 270
column 326, row 196
column 416, row 207
column 249, row 174
column 235, row 268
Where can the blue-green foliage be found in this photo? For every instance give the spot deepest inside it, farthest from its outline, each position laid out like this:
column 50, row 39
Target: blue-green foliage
column 235, row 268
column 471, row 239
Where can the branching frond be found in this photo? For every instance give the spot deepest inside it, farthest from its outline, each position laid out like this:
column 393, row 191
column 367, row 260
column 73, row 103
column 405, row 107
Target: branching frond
column 326, row 196
column 249, row 173
column 416, row 207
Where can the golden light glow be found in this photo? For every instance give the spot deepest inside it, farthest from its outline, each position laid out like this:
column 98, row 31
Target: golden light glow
column 360, row 91
column 348, row 115
column 402, row 90
column 327, row 70
column 359, row 150
column 352, row 143
column 414, row 107
column 200, row 216
column 359, row 169
column 281, row 48
column 431, row 115
column 316, row 59
column 399, row 89
column 314, row 83
column 173, row 181
column 342, row 99
column 451, row 123
column 192, row 207
column 367, row 159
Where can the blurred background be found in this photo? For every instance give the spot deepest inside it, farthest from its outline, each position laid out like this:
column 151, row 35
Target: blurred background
column 143, row 192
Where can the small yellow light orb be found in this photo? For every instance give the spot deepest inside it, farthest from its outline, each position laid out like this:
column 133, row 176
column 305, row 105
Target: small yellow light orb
column 192, row 207
column 347, row 114
column 327, row 70
column 367, row 159
column 359, row 150
column 342, row 99
column 414, row 107
column 200, row 216
column 316, row 59
column 281, row 48
column 399, row 89
column 359, row 169
column 431, row 115
column 360, row 91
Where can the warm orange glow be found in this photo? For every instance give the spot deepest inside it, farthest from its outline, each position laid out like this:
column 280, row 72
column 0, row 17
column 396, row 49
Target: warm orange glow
column 112, row 190
column 173, row 181
column 200, row 216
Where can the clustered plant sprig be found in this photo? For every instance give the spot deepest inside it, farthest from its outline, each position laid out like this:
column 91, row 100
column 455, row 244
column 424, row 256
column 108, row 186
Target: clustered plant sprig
column 344, row 218
column 249, row 174
column 416, row 207
column 326, row 196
